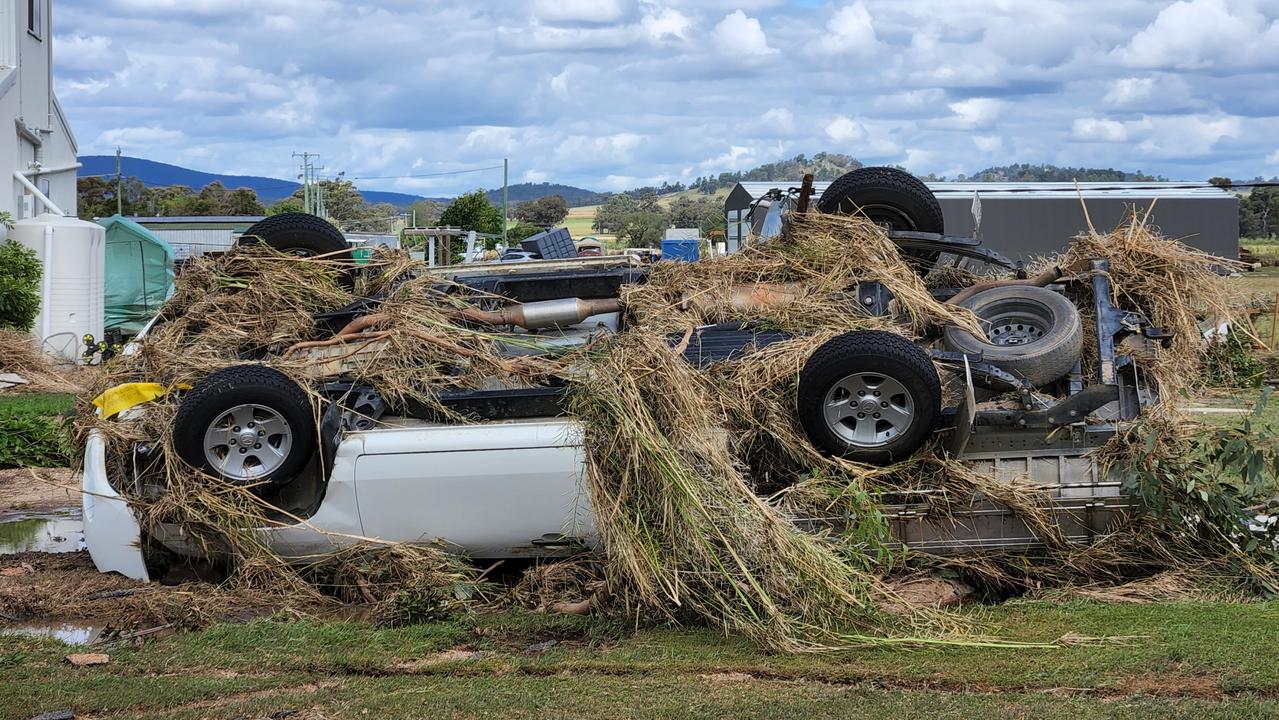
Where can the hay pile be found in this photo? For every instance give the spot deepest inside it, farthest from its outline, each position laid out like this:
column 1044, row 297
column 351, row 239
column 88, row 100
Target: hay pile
column 20, row 355
column 1179, row 288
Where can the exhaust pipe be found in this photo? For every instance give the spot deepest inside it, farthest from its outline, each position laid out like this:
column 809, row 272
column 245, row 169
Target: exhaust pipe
column 544, row 313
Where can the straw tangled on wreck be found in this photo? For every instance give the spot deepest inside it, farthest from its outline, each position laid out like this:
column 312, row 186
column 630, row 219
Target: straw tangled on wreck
column 682, row 461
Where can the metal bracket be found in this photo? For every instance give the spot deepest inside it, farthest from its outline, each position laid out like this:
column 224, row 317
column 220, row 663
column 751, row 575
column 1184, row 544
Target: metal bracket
column 954, row 244
column 1067, row 412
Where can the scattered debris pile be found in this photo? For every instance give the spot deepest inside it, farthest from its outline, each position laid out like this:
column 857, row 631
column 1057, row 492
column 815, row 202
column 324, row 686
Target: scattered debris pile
column 682, row 460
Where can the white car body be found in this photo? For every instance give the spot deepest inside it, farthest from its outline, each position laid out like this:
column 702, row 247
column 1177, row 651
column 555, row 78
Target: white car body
column 489, row 490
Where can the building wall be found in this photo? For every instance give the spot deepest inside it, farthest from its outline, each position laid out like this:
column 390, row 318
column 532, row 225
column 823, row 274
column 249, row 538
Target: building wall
column 27, row 101
column 1027, row 227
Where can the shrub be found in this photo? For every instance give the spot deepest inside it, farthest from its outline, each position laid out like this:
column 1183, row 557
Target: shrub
column 19, row 286
column 33, row 441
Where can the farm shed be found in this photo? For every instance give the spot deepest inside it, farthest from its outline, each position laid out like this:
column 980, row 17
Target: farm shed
column 195, row 236
column 1025, row 220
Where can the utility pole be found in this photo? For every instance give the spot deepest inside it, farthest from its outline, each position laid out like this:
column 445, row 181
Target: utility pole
column 312, row 194
column 119, row 184
column 506, row 169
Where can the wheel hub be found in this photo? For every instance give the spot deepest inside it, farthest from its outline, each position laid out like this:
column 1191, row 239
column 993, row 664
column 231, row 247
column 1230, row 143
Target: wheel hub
column 247, row 442
column 868, row 409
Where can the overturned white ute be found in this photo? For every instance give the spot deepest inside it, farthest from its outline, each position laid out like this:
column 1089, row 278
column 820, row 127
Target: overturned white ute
column 512, row 482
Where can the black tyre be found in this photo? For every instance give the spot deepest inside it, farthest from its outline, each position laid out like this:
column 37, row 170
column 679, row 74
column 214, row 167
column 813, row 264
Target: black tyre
column 248, row 424
column 298, row 234
column 870, row 396
column 891, row 198
column 1032, row 332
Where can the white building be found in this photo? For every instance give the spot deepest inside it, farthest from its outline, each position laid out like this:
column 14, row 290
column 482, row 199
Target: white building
column 39, row 144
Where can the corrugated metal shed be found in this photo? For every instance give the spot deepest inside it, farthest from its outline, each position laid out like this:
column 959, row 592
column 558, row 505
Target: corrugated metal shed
column 1025, row 220
column 188, row 244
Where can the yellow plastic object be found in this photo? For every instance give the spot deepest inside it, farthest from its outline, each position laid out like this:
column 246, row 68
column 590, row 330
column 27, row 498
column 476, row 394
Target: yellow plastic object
column 122, row 397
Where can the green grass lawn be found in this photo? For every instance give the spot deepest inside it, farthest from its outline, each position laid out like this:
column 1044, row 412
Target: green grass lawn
column 1170, row 660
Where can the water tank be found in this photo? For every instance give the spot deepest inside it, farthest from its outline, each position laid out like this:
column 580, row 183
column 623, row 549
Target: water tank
column 73, row 253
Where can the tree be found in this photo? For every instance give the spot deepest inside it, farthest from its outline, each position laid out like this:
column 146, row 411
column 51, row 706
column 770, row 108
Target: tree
column 520, row 231
column 610, row 216
column 705, row 214
column 473, row 211
column 287, row 205
column 96, row 196
column 544, row 211
column 244, row 201
column 425, row 213
column 644, row 224
column 1259, row 213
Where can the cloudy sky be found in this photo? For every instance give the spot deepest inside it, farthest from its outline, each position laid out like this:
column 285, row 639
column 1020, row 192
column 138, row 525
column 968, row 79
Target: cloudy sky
column 610, row 94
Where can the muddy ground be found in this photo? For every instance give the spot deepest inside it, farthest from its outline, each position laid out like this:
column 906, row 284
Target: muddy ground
column 38, row 490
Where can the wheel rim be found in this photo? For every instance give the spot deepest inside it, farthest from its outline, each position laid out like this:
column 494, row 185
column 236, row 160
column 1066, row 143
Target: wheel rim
column 868, row 409
column 1016, row 322
column 248, row 442
column 300, row 252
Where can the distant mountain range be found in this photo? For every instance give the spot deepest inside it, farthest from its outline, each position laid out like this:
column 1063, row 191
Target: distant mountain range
column 271, row 190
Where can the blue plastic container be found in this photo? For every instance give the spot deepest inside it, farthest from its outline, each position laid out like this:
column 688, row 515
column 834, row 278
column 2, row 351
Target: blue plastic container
column 681, row 250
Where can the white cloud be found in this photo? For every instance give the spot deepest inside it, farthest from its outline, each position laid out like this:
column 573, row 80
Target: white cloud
column 780, row 120
column 134, row 138
column 667, row 22
column 844, row 129
column 988, row 143
column 1098, row 130
column 740, row 35
column 972, row 114
column 911, row 100
column 575, row 11
column 1203, row 33
column 849, row 31
column 1273, row 158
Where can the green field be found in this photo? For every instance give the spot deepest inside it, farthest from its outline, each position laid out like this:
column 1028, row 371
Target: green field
column 1194, row 660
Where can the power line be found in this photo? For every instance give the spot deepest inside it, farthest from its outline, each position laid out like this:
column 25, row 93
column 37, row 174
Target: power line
column 426, row 175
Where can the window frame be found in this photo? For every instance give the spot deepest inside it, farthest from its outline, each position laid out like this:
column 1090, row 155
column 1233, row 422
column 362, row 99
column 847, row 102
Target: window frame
column 35, row 19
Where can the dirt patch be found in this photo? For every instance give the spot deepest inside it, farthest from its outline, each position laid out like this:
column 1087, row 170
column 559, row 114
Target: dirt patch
column 38, row 489
column 441, row 658
column 1172, row 684
column 728, row 678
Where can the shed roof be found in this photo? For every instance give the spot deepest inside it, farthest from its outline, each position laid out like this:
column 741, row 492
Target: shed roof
column 753, row 190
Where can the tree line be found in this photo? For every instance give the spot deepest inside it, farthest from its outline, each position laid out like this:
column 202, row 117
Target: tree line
column 99, row 197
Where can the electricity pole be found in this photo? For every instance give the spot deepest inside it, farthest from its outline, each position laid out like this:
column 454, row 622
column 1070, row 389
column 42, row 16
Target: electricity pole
column 119, row 184
column 506, row 168
column 312, row 194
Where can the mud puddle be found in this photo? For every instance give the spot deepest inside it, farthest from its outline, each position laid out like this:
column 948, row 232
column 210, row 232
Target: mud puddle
column 47, row 533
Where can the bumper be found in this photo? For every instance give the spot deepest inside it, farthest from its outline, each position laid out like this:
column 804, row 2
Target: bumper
column 110, row 528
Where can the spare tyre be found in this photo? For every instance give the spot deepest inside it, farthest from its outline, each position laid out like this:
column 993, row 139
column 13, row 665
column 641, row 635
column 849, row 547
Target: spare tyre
column 891, row 198
column 1031, row 332
column 300, row 234
column 247, row 424
column 870, row 396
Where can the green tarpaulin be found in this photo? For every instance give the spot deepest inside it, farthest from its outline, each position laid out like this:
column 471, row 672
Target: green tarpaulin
column 139, row 275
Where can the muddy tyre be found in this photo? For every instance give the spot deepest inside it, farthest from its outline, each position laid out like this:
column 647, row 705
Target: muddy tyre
column 1031, row 332
column 247, row 424
column 869, row 396
column 891, row 198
